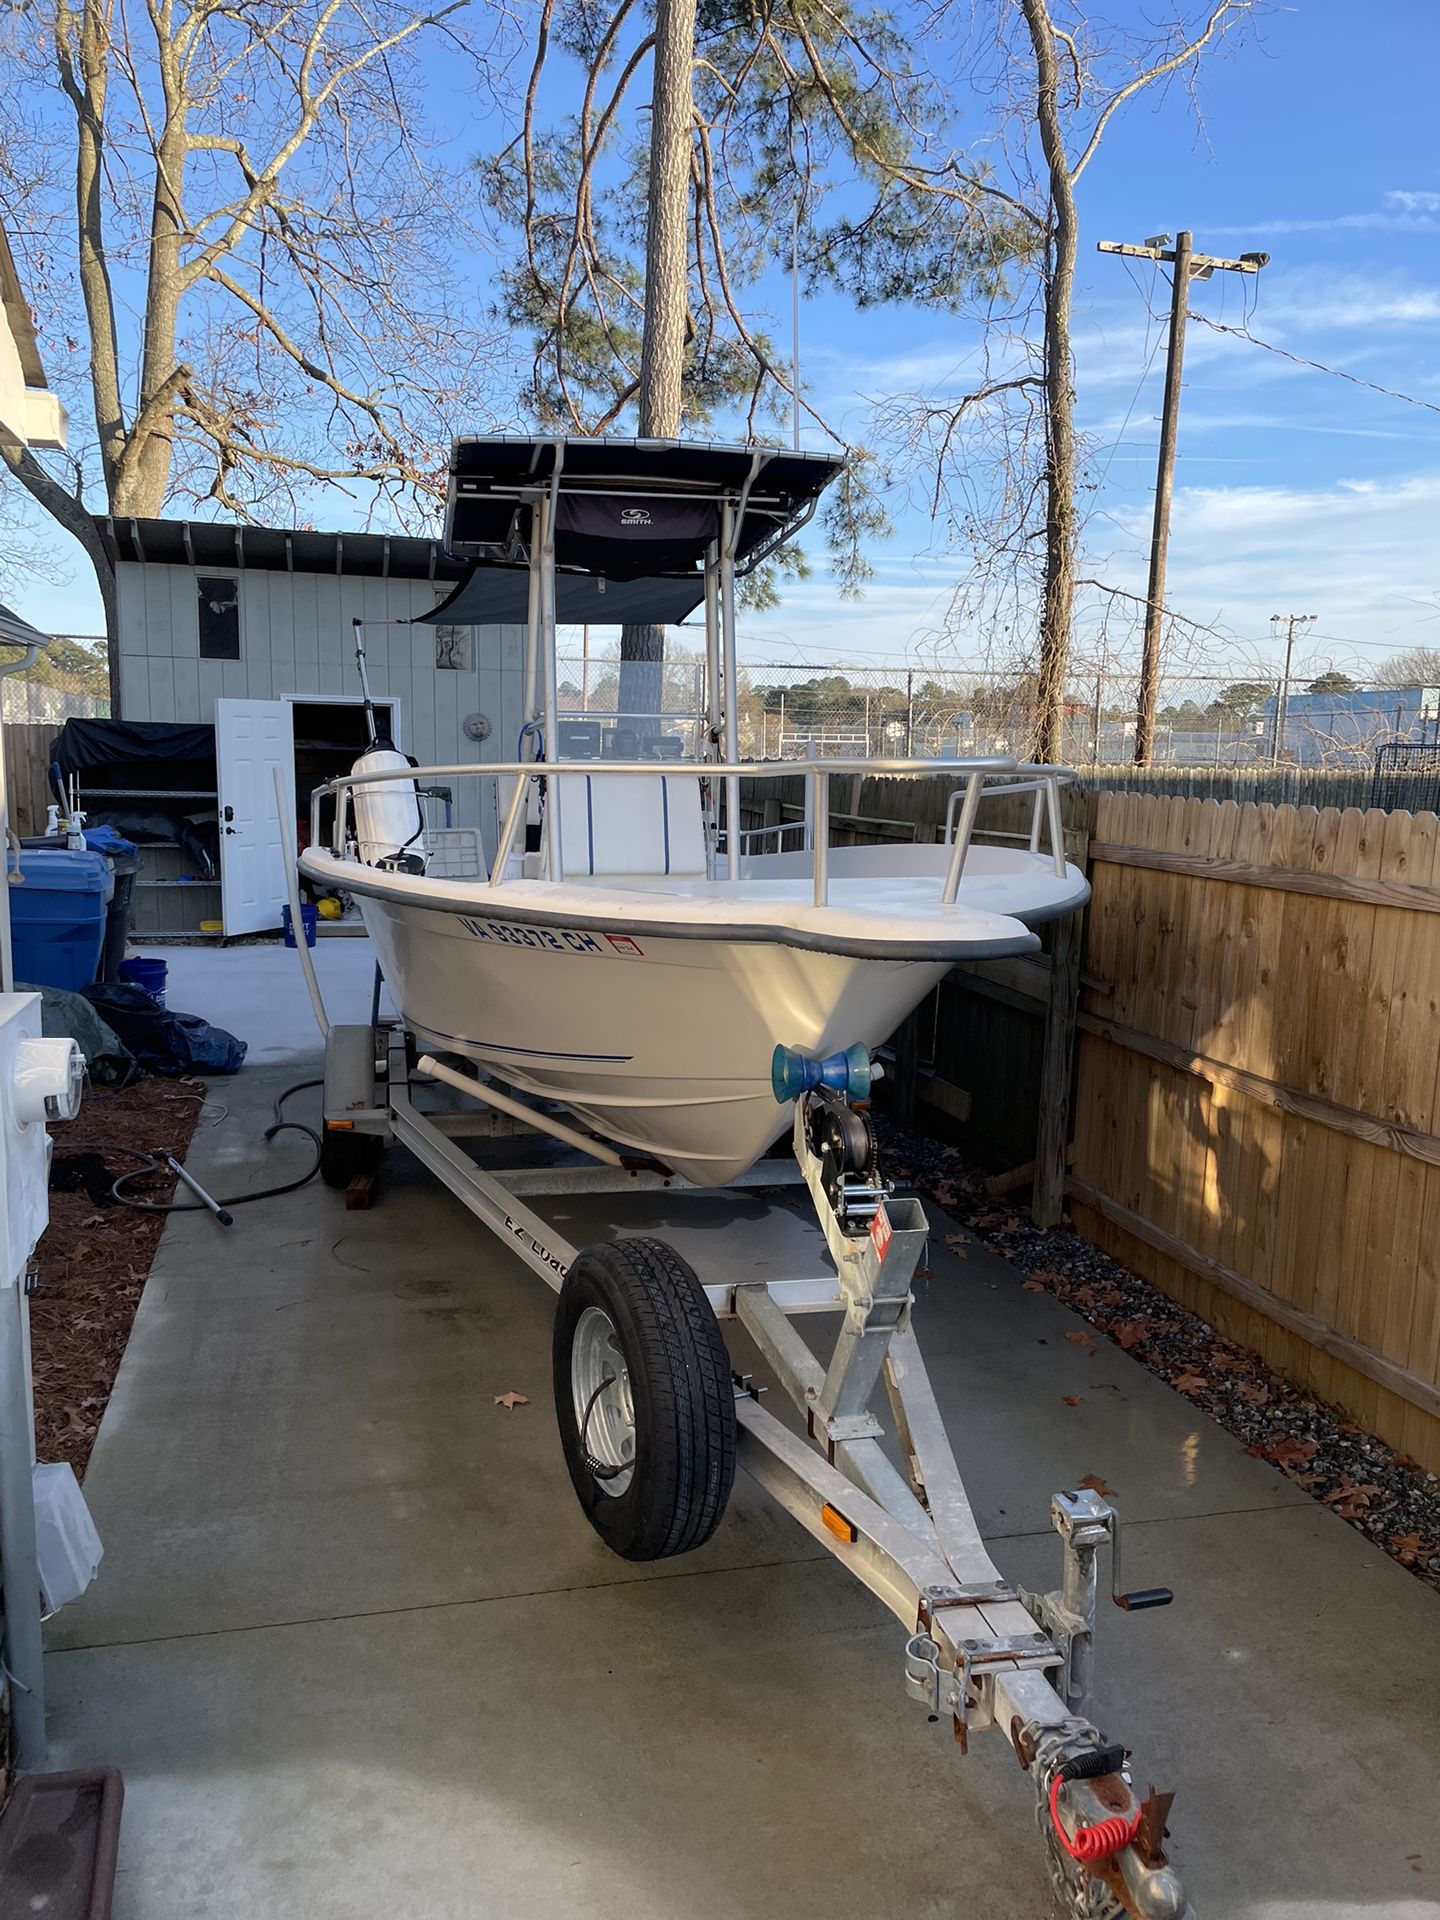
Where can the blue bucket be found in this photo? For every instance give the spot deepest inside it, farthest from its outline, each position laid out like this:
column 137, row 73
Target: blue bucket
column 148, row 975
column 309, row 919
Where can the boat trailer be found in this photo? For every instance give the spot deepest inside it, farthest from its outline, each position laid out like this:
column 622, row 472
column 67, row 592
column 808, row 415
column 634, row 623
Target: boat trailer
column 654, row 1421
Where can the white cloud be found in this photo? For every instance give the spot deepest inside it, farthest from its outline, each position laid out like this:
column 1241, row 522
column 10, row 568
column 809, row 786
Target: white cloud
column 1423, row 202
column 1374, row 222
column 1359, row 552
column 1317, row 300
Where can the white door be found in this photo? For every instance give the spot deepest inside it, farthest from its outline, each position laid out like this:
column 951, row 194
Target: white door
column 252, row 738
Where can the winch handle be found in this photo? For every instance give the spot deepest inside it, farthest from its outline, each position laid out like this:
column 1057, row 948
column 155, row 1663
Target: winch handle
column 1143, row 1598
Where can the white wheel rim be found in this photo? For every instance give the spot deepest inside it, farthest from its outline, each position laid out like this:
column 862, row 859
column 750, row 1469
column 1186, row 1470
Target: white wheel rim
column 604, row 1406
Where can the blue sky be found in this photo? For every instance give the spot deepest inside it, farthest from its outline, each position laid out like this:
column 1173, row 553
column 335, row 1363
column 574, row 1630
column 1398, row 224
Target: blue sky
column 1295, row 492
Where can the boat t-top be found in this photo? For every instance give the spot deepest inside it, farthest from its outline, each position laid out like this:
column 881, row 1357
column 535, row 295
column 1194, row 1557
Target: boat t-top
column 630, row 950
column 663, row 991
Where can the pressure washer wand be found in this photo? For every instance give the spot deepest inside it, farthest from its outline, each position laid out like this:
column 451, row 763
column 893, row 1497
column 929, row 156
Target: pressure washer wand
column 206, row 1199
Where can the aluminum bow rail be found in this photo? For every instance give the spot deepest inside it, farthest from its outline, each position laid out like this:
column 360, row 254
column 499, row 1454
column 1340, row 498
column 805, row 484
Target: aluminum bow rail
column 987, row 778
column 978, row 1652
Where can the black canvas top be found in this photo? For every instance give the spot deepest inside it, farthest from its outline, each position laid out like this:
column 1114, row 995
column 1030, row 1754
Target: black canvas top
column 627, row 509
column 498, row 596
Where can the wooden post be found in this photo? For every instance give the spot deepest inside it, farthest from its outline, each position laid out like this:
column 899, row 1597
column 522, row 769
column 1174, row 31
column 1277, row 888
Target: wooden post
column 906, row 1070
column 1052, row 1136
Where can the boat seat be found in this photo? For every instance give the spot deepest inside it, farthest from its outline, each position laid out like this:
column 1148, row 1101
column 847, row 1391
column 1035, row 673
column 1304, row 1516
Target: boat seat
column 632, row 823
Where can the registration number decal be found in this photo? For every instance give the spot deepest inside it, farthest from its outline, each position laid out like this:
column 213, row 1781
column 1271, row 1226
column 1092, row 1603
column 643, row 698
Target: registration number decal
column 544, row 939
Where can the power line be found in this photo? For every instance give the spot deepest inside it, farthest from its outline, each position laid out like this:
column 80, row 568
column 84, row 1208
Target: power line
column 1316, row 366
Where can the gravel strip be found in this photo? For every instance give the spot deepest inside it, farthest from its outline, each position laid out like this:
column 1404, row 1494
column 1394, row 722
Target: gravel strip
column 1385, row 1495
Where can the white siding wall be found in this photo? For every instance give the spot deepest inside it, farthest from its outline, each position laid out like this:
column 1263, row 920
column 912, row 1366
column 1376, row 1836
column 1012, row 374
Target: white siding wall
column 296, row 640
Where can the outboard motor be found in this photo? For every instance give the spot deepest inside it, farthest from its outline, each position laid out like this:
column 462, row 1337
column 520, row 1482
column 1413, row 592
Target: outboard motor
column 389, row 823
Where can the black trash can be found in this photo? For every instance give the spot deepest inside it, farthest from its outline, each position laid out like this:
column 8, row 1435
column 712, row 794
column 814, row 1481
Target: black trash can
column 124, row 857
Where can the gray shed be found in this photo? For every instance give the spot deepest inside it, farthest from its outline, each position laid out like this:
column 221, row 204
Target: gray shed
column 248, row 629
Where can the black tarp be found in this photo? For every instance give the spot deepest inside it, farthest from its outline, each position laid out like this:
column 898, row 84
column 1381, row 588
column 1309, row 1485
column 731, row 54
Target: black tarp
column 500, row 596
column 178, row 749
column 150, row 758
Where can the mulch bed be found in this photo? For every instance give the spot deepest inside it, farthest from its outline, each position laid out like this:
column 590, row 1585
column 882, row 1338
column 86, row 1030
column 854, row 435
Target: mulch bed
column 95, row 1255
column 1385, row 1495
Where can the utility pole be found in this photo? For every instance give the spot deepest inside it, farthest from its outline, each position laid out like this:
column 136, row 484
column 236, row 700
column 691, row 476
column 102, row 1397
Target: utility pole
column 1282, row 703
column 1188, row 265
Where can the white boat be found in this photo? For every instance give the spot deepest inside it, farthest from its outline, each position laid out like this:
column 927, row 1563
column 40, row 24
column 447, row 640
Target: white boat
column 638, row 958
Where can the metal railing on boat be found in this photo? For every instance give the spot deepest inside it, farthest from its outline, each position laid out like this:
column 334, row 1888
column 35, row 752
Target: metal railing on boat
column 991, row 777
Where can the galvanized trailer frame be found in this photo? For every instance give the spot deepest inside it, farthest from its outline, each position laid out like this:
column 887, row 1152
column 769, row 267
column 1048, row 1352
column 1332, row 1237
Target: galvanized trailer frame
column 978, row 1652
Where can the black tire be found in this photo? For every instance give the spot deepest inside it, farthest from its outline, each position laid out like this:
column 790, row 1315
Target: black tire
column 344, row 1156
column 680, row 1384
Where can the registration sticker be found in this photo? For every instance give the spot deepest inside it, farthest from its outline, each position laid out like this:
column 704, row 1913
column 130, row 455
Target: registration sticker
column 880, row 1231
column 622, row 943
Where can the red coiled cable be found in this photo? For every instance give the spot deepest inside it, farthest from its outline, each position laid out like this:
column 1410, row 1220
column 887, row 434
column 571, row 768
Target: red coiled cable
column 1093, row 1843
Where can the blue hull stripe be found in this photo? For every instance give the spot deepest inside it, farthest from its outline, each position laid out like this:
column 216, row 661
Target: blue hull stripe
column 539, row 1053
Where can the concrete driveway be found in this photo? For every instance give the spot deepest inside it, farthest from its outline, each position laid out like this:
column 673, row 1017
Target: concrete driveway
column 360, row 1657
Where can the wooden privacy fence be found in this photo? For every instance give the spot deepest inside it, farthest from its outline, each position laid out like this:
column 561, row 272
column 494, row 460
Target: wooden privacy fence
column 27, row 785
column 1256, row 1120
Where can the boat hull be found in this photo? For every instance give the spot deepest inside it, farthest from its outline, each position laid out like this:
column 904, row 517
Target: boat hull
column 661, row 1045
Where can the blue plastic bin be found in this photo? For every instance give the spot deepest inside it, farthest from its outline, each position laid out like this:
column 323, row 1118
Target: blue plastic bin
column 57, row 916
column 309, row 920
column 148, row 975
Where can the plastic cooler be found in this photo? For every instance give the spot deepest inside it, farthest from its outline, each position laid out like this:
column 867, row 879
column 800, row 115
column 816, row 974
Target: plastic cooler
column 57, row 915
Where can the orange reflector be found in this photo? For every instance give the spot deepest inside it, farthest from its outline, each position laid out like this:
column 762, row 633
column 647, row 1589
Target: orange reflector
column 340, row 1126
column 837, row 1524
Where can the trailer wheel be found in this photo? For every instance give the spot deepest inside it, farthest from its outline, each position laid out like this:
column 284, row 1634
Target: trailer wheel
column 644, row 1399
column 346, row 1156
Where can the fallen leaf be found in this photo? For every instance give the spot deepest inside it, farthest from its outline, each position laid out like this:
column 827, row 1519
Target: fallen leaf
column 1033, row 1286
column 1096, row 1484
column 1224, row 1361
column 1409, row 1462
column 1083, row 1340
column 1408, row 1548
column 1252, row 1395
column 1189, row 1382
column 1129, row 1333
column 1084, row 1297
column 1284, row 1450
column 1351, row 1493
column 1071, row 1399
column 1048, row 1279
column 512, row 1400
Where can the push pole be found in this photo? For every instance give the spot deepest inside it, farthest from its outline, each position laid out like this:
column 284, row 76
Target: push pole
column 732, row 725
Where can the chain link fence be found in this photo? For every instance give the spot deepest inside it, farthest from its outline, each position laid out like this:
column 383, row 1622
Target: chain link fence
column 1215, row 721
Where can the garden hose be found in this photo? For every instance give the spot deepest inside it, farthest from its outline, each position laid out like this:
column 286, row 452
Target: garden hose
column 151, row 1164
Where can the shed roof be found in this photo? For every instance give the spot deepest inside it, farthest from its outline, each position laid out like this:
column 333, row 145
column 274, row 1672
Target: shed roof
column 212, row 543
